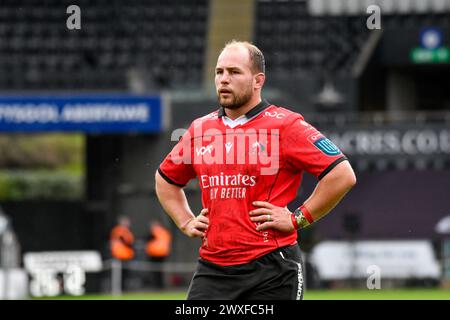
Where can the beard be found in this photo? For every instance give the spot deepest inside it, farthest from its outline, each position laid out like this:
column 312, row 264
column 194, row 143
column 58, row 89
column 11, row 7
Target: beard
column 234, row 100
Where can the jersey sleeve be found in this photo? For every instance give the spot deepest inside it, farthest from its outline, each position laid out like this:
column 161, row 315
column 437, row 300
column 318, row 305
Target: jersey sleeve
column 177, row 168
column 305, row 148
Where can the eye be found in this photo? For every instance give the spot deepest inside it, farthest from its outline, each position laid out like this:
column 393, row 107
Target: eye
column 219, row 71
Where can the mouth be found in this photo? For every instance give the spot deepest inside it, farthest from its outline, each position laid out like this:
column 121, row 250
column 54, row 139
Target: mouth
column 224, row 91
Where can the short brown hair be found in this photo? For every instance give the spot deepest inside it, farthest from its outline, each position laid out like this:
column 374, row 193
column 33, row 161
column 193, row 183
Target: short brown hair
column 258, row 63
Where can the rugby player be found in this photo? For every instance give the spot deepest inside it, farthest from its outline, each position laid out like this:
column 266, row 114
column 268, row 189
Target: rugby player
column 249, row 157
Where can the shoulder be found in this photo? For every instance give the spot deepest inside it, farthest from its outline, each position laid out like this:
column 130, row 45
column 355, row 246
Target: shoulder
column 295, row 129
column 283, row 113
column 209, row 118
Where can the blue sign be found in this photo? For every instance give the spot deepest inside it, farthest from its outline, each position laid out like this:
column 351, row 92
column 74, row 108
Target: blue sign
column 431, row 38
column 81, row 113
column 431, row 48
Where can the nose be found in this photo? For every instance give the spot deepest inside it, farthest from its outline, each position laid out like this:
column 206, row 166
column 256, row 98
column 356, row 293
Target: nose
column 224, row 77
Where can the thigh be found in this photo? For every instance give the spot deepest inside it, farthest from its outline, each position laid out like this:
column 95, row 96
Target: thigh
column 214, row 283
column 281, row 279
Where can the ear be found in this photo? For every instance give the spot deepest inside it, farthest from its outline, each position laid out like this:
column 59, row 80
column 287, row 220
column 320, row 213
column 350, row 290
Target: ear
column 260, row 78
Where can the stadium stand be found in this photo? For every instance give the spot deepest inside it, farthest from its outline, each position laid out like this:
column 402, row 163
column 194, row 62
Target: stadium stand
column 164, row 38
column 312, row 42
column 295, row 40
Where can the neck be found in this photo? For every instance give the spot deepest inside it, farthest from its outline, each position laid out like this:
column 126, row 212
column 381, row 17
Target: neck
column 236, row 113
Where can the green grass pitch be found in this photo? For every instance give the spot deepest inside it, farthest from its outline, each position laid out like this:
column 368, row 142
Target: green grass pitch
column 382, row 294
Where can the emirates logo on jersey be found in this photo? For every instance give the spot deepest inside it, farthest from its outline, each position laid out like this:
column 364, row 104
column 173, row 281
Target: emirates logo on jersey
column 225, row 180
column 227, row 186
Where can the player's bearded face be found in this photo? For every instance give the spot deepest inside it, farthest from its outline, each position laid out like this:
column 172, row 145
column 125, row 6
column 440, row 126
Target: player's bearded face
column 235, row 98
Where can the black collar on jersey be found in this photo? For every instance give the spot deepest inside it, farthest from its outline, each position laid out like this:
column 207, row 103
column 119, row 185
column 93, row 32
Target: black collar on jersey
column 252, row 112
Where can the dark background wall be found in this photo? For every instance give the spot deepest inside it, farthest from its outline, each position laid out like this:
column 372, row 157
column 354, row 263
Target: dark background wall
column 388, row 205
column 45, row 225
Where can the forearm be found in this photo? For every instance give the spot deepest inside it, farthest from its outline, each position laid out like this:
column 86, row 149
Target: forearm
column 327, row 194
column 174, row 202
column 330, row 191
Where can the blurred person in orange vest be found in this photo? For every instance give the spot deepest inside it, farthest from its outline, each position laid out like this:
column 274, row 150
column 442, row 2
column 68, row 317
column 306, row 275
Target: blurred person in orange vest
column 158, row 249
column 121, row 240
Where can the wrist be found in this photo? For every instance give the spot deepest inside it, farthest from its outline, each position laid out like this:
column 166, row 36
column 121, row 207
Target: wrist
column 183, row 226
column 306, row 214
column 294, row 221
column 302, row 218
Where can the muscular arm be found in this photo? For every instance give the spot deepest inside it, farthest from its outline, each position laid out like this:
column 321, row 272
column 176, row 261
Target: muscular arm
column 174, row 202
column 328, row 193
column 330, row 190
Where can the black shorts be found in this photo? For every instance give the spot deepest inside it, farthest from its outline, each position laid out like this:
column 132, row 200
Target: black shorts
column 277, row 275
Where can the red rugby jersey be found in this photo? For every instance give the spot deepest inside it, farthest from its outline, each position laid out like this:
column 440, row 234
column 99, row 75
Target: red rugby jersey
column 262, row 159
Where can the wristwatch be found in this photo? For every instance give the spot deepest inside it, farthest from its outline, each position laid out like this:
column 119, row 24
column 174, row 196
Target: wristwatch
column 302, row 222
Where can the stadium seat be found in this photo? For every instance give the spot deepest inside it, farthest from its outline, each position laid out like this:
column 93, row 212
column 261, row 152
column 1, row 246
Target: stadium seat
column 107, row 44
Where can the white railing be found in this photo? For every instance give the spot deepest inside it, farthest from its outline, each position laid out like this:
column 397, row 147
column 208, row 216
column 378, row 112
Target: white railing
column 117, row 266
